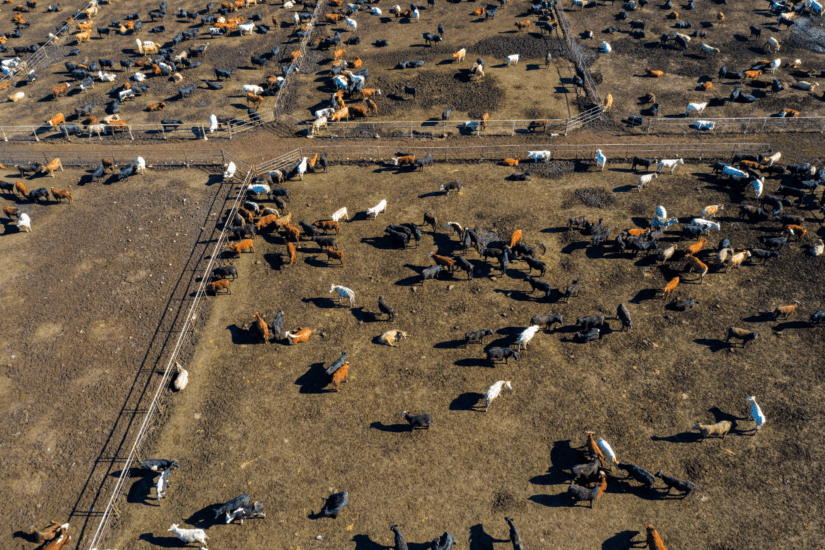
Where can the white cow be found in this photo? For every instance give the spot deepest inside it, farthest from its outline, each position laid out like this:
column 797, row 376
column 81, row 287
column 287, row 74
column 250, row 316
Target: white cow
column 189, row 535
column 340, row 213
column 756, row 413
column 704, row 125
column 229, row 173
column 213, row 123
column 344, row 293
column 375, row 11
column 512, row 59
column 352, row 23
column 318, row 124
column 758, row 186
column 494, row 391
column 252, row 89
column 775, row 65
column 377, row 209
column 543, row 156
column 734, row 173
column 24, row 223
column 140, row 166
column 605, row 48
column 324, row 113
column 601, row 160
column 302, row 167
column 706, row 225
column 774, row 158
column 669, row 163
column 527, row 335
column 697, row 108
column 710, row 50
column 645, row 180
column 772, row 45
column 246, row 28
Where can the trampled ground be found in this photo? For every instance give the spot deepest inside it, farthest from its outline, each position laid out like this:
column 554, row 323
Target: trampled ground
column 259, row 418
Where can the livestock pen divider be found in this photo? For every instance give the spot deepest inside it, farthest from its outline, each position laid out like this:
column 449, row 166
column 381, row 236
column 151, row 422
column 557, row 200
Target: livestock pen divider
column 380, row 153
column 155, row 407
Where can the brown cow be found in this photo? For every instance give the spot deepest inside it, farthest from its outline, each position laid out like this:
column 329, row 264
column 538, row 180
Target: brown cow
column 156, row 107
column 290, row 248
column 221, row 284
column 359, row 111
column 292, row 232
column 243, row 246
column 56, row 119
column 328, row 225
column 523, row 25
column 64, row 194
column 58, row 91
column 254, row 99
column 334, row 254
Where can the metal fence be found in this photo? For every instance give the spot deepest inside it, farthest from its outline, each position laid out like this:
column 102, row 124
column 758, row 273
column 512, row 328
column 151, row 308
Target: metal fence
column 83, row 160
column 45, row 54
column 574, row 48
column 295, row 66
column 755, row 125
column 153, row 411
column 378, row 153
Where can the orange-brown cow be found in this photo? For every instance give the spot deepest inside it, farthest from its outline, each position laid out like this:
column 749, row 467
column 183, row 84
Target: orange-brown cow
column 243, row 246
column 156, row 107
column 290, row 248
column 52, row 166
column 328, row 225
column 670, row 287
column 340, row 376
column 64, row 194
column 56, row 119
column 221, row 284
column 334, row 254
column 58, row 91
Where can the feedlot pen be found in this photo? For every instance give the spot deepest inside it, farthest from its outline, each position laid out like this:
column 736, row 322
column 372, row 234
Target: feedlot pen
column 260, row 419
column 622, row 72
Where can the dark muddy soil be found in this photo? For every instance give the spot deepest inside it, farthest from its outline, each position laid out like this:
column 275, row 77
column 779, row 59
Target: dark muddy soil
column 231, row 52
column 624, row 68
column 86, row 308
column 261, row 419
column 525, row 91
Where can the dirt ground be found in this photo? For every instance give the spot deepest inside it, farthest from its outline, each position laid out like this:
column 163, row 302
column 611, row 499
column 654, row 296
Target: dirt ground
column 231, row 52
column 623, row 70
column 260, row 418
column 505, row 93
column 91, row 296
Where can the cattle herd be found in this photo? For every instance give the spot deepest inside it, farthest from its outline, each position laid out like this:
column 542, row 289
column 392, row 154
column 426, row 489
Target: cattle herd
column 784, row 213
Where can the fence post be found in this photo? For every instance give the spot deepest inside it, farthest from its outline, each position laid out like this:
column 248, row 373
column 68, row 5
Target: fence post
column 130, row 133
column 411, row 130
column 35, row 135
column 162, row 131
column 6, row 139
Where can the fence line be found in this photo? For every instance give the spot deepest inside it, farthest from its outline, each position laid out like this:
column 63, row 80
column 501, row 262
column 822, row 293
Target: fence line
column 557, row 151
column 111, row 506
column 295, row 66
column 733, row 125
column 154, row 407
column 573, row 47
column 11, row 158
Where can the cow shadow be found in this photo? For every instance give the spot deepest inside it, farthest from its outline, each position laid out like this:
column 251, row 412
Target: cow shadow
column 645, row 294
column 162, row 542
column 574, row 246
column 140, row 491
column 363, row 316
column 241, row 336
column 553, row 501
column 468, row 401
column 713, row 344
column 681, row 437
column 364, row 542
column 314, row 380
column 622, row 541
column 28, row 537
column 630, row 487
column 391, row 428
column 791, row 324
column 321, row 302
column 562, row 455
column 381, row 243
column 451, row 344
column 204, row 518
column 479, row 540
column 474, row 362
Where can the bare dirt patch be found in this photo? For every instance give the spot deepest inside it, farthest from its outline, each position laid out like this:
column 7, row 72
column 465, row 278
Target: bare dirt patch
column 260, row 419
